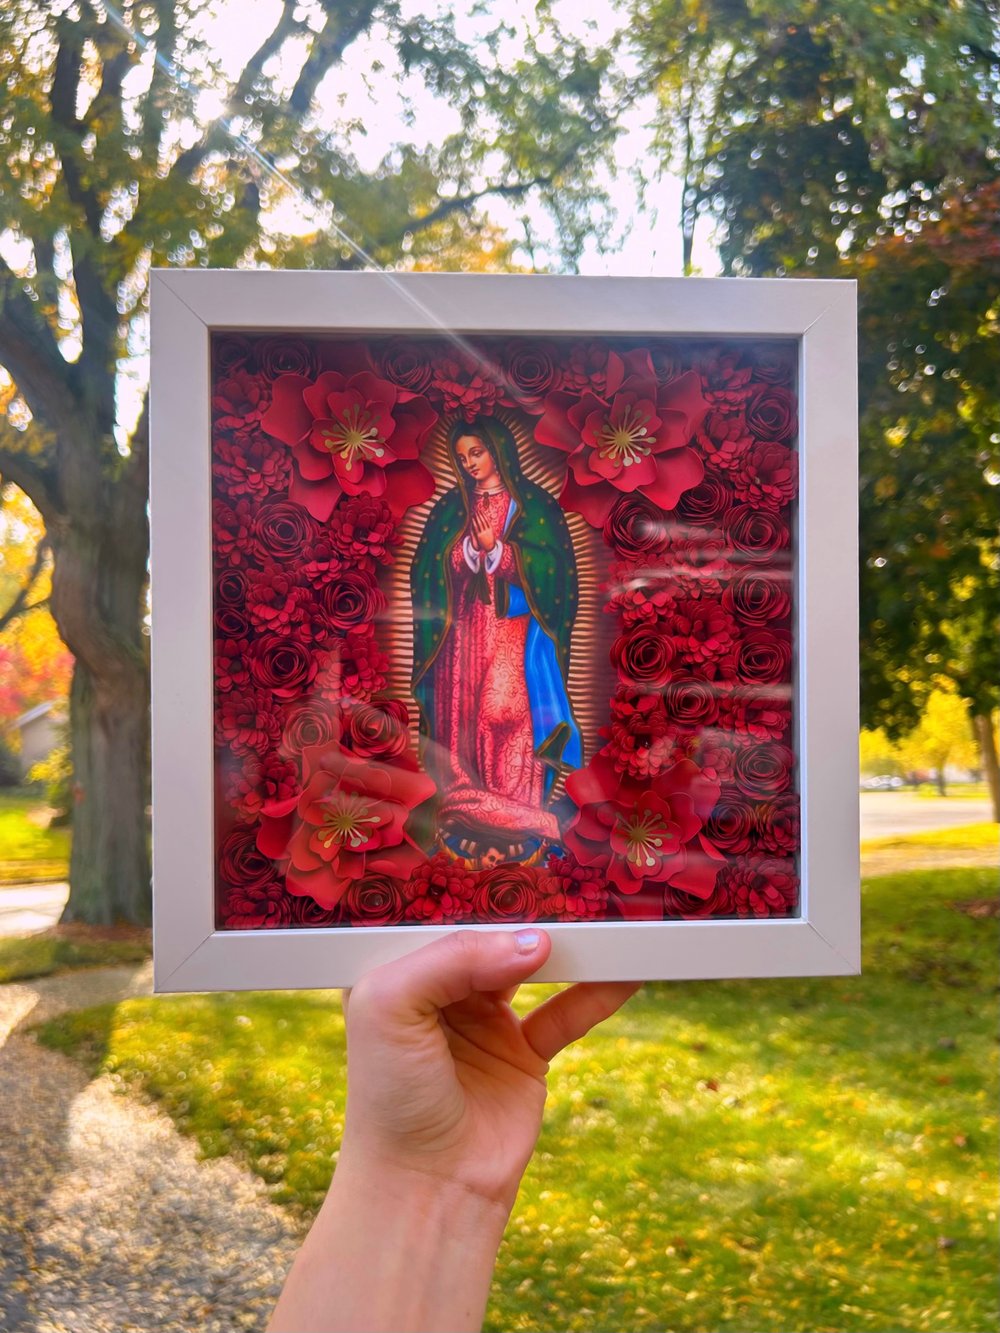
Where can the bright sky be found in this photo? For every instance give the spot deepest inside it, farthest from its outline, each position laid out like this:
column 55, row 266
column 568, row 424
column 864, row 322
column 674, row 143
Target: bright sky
column 388, row 107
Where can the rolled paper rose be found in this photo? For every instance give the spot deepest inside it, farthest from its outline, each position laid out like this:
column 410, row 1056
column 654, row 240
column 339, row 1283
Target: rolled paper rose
column 376, row 900
column 352, row 599
column 379, row 729
column 231, row 622
column 530, row 372
column 764, row 769
column 756, row 534
column 309, row 722
column 285, row 356
column 706, row 504
column 241, row 863
column 764, row 656
column 757, row 598
column 771, row 413
column 281, row 530
column 773, row 363
column 231, row 588
column 282, row 664
column 407, row 364
column 229, row 353
column 507, row 893
column 305, row 911
column 732, row 825
column 643, row 658
column 636, row 528
column 691, row 705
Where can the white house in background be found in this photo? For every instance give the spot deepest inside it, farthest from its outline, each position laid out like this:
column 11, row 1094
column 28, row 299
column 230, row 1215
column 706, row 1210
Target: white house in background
column 38, row 732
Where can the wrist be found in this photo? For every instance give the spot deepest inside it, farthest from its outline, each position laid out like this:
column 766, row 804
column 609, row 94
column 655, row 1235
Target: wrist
column 395, row 1248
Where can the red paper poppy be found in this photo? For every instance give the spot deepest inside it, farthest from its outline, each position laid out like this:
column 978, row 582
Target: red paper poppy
column 351, row 435
column 349, row 822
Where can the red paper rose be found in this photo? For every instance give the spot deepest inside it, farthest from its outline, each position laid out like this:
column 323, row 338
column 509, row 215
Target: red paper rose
column 763, row 770
column 376, row 900
column 351, row 435
column 636, row 528
column 282, row 664
column 310, row 722
column 764, row 656
column 771, row 413
column 242, row 865
column 508, row 892
column 530, row 372
column 378, row 730
column 285, row 356
column 756, row 534
column 643, row 658
column 439, row 891
column 348, row 823
column 732, row 825
column 773, row 363
column 231, row 588
column 706, row 504
column 231, row 622
column 352, row 599
column 229, row 353
column 407, row 365
column 303, row 911
column 282, row 529
column 757, row 599
column 691, row 705
column 634, row 439
column 641, row 832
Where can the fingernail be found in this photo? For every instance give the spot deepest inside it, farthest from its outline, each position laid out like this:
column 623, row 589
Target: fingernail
column 526, row 941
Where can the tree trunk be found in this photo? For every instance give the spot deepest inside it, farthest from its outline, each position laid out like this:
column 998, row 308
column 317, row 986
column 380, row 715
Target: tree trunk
column 939, row 779
column 98, row 582
column 983, row 725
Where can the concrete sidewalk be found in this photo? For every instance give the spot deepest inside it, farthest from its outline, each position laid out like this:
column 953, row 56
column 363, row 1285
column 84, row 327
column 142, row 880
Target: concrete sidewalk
column 28, row 908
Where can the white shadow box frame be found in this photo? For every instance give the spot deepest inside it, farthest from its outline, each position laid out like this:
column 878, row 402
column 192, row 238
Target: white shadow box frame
column 190, row 954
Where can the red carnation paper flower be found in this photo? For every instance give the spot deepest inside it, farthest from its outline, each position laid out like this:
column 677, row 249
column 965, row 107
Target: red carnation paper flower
column 351, row 435
column 634, row 439
column 349, row 822
column 440, row 891
column 639, row 833
column 462, row 388
column 573, row 892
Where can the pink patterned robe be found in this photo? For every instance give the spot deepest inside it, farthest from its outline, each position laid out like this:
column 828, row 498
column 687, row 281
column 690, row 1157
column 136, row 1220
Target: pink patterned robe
column 481, row 706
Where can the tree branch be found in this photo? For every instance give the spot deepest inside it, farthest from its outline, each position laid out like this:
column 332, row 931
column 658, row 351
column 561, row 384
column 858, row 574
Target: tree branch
column 20, row 603
column 34, row 478
column 464, row 202
column 29, row 351
column 333, row 39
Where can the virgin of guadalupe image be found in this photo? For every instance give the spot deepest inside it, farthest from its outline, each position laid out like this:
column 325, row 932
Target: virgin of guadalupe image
column 494, row 600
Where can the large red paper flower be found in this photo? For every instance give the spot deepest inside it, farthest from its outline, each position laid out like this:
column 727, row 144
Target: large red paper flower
column 351, row 435
column 643, row 832
column 349, row 822
column 635, row 438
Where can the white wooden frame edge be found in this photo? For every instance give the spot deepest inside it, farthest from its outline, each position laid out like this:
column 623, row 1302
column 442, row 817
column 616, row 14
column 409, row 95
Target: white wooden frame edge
column 186, row 305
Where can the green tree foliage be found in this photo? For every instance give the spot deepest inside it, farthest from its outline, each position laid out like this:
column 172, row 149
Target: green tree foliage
column 110, row 164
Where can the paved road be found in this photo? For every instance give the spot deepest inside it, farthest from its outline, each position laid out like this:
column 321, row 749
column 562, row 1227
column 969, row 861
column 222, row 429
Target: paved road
column 887, row 814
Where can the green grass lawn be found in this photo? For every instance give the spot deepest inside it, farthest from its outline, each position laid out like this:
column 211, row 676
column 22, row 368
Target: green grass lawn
column 67, row 948
column 967, row 837
column 28, row 850
column 768, row 1155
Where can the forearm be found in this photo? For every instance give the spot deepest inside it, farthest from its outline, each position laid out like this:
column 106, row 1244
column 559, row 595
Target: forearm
column 393, row 1252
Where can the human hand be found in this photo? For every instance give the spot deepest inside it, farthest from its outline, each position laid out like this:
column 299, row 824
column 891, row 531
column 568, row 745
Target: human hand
column 445, row 1080
column 483, row 535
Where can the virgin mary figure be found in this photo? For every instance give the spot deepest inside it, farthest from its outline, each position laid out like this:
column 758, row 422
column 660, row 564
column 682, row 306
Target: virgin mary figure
column 494, row 599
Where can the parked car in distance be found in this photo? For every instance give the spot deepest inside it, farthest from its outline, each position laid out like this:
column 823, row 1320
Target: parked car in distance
column 884, row 782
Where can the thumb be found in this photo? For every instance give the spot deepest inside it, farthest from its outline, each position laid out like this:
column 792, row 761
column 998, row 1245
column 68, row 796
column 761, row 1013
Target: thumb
column 453, row 968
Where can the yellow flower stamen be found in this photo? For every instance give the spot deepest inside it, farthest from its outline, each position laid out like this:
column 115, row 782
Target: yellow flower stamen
column 354, row 436
column 348, row 821
column 626, row 440
column 641, row 833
